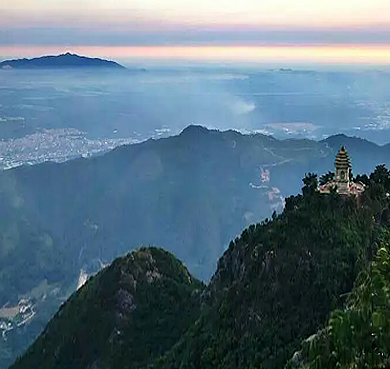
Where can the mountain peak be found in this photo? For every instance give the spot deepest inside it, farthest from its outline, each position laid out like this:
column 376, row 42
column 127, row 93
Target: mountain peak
column 336, row 141
column 67, row 60
column 148, row 294
column 194, row 129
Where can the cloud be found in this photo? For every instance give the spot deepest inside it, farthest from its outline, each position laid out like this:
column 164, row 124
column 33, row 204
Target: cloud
column 241, row 107
column 309, row 13
column 133, row 35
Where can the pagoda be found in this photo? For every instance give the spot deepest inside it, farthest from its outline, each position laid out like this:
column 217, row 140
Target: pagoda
column 342, row 182
column 342, row 171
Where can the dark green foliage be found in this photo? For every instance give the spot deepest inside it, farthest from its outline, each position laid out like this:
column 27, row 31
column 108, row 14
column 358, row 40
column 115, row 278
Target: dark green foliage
column 363, row 178
column 277, row 283
column 310, row 183
column 28, row 254
column 29, row 257
column 326, row 178
column 381, row 175
column 377, row 195
column 27, row 249
column 359, row 335
column 125, row 316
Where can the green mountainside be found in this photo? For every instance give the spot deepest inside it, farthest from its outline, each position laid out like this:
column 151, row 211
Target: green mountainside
column 131, row 312
column 357, row 336
column 274, row 287
column 190, row 194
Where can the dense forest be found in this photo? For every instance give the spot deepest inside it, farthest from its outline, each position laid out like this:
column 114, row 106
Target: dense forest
column 278, row 282
column 295, row 290
column 130, row 313
column 357, row 336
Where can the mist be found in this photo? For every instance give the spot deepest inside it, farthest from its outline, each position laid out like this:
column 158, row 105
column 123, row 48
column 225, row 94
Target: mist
column 142, row 103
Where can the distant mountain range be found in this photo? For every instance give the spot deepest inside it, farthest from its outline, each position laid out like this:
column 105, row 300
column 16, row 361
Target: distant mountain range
column 67, row 60
column 190, row 194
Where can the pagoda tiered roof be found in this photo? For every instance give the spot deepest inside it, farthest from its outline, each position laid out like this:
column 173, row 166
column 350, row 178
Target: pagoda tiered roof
column 342, row 159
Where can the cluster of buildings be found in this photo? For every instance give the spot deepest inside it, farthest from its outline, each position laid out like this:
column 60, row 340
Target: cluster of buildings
column 15, row 316
column 56, row 145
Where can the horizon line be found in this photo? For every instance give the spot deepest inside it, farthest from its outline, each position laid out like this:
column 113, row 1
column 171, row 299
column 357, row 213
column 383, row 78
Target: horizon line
column 359, row 54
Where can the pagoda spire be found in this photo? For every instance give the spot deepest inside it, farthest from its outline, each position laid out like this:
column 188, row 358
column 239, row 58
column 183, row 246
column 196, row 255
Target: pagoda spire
column 342, row 170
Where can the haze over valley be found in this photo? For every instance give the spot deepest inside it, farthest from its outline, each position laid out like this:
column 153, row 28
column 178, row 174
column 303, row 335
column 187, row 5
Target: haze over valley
column 57, row 115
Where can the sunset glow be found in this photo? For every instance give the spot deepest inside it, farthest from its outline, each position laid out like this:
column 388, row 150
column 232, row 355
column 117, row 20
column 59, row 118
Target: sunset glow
column 337, row 55
column 332, row 31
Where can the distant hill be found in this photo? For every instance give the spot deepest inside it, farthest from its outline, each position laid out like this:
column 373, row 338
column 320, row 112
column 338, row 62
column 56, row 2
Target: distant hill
column 190, row 194
column 363, row 152
column 67, row 60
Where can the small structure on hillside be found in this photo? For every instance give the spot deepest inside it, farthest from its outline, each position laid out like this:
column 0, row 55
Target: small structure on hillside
column 341, row 180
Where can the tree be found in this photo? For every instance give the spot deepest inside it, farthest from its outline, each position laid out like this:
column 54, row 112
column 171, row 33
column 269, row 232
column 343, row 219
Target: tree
column 381, row 175
column 358, row 336
column 327, row 178
column 310, row 182
column 363, row 178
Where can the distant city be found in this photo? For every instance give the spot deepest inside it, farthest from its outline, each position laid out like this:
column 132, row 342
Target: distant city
column 55, row 145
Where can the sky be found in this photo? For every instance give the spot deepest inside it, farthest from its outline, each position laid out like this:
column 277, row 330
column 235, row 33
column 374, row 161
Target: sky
column 329, row 31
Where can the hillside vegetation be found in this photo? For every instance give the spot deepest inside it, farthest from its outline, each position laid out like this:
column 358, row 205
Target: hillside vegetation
column 130, row 313
column 277, row 284
column 274, row 287
column 357, row 336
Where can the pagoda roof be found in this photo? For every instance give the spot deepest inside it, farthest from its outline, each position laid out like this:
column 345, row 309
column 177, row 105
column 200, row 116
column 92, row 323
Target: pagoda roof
column 342, row 158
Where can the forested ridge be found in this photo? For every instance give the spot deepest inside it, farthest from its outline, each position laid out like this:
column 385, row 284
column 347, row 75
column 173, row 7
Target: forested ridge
column 129, row 313
column 357, row 335
column 189, row 194
column 278, row 282
column 290, row 291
